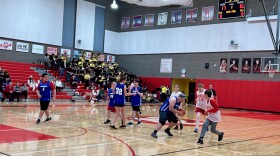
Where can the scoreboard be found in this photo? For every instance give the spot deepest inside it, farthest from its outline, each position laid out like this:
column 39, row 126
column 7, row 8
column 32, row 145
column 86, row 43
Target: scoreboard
column 231, row 9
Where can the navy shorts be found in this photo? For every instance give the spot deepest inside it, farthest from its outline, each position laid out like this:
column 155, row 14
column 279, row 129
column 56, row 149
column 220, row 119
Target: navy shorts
column 169, row 116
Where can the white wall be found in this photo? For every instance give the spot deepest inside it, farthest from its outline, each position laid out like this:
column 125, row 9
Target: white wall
column 250, row 36
column 85, row 20
column 111, row 42
column 32, row 20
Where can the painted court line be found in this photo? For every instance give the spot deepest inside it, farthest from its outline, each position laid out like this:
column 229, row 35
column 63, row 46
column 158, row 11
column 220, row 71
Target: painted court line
column 72, row 147
column 189, row 149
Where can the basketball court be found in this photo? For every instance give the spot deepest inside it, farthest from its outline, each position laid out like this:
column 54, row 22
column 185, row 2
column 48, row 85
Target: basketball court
column 74, row 51
column 78, row 129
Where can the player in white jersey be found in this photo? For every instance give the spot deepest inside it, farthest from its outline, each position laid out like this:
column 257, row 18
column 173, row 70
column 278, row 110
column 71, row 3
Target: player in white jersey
column 200, row 105
column 213, row 118
column 177, row 93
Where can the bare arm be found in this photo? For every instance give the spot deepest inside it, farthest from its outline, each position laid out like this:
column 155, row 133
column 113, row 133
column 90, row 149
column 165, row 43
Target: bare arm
column 126, row 93
column 172, row 102
column 139, row 93
column 38, row 93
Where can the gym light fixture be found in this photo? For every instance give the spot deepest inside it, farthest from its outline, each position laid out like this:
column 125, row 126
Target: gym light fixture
column 114, row 5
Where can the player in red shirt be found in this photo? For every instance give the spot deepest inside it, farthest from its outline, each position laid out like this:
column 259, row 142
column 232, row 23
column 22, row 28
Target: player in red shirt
column 213, row 118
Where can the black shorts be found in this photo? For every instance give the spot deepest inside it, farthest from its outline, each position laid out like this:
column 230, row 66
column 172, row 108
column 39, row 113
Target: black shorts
column 169, row 116
column 44, row 105
column 136, row 108
column 119, row 105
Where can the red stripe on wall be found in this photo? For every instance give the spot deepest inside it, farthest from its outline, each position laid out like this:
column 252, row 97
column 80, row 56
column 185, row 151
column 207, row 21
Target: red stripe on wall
column 253, row 95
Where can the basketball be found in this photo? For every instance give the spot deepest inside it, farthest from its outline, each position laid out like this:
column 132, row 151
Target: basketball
column 182, row 111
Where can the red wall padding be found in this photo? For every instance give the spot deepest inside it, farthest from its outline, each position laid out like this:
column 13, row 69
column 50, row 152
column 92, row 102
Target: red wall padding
column 154, row 82
column 253, row 95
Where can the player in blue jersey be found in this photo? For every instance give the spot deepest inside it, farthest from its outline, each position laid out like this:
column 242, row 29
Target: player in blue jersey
column 168, row 111
column 136, row 102
column 45, row 91
column 111, row 102
column 120, row 94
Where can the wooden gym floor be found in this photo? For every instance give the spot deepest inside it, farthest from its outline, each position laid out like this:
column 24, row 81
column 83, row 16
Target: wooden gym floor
column 78, row 130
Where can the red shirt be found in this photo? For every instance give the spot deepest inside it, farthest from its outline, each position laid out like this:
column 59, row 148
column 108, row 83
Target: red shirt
column 214, row 105
column 9, row 88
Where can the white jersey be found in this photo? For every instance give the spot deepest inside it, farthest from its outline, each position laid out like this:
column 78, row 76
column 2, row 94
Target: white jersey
column 200, row 99
column 175, row 94
column 215, row 117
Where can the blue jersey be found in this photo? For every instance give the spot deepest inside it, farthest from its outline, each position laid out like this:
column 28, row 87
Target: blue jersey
column 119, row 94
column 165, row 106
column 111, row 95
column 136, row 99
column 45, row 91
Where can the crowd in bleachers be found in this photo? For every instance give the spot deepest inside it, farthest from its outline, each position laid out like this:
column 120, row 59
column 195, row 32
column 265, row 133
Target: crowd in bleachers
column 87, row 76
column 93, row 75
column 9, row 92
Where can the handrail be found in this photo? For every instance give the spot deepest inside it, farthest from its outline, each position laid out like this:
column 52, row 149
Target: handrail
column 38, row 62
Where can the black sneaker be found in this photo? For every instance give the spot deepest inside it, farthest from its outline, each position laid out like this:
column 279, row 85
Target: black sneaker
column 199, row 141
column 107, row 122
column 167, row 131
column 139, row 123
column 48, row 119
column 38, row 121
column 176, row 127
column 154, row 135
column 123, row 126
column 221, row 136
column 113, row 126
column 181, row 126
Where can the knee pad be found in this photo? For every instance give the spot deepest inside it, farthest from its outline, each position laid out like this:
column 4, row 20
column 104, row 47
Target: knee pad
column 162, row 123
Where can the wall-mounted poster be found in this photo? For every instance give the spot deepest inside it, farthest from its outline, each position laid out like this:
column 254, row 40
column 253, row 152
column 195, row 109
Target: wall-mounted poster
column 22, row 47
column 65, row 51
column 149, row 20
column 223, row 65
column 6, row 45
column 77, row 54
column 110, row 59
column 88, row 55
column 37, row 49
column 162, row 18
column 125, row 22
column 166, row 65
column 191, row 15
column 234, row 64
column 207, row 13
column 137, row 21
column 101, row 58
column 246, row 65
column 176, row 17
column 52, row 51
column 256, row 65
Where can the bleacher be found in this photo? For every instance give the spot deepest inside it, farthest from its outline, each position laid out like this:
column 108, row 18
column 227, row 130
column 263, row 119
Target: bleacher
column 20, row 72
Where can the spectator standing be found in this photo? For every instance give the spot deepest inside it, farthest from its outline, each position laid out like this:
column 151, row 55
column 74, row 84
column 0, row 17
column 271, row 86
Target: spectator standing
column 214, row 93
column 163, row 93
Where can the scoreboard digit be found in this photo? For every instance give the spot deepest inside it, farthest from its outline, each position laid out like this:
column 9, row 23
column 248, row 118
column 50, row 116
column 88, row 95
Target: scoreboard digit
column 231, row 9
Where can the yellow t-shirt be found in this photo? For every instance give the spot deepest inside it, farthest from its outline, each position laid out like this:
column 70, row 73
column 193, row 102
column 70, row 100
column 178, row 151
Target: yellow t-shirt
column 87, row 77
column 163, row 90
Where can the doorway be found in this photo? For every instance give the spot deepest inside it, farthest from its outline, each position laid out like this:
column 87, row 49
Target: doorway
column 192, row 88
column 186, row 86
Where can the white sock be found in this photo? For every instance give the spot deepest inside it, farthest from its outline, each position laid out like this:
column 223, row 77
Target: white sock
column 197, row 121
